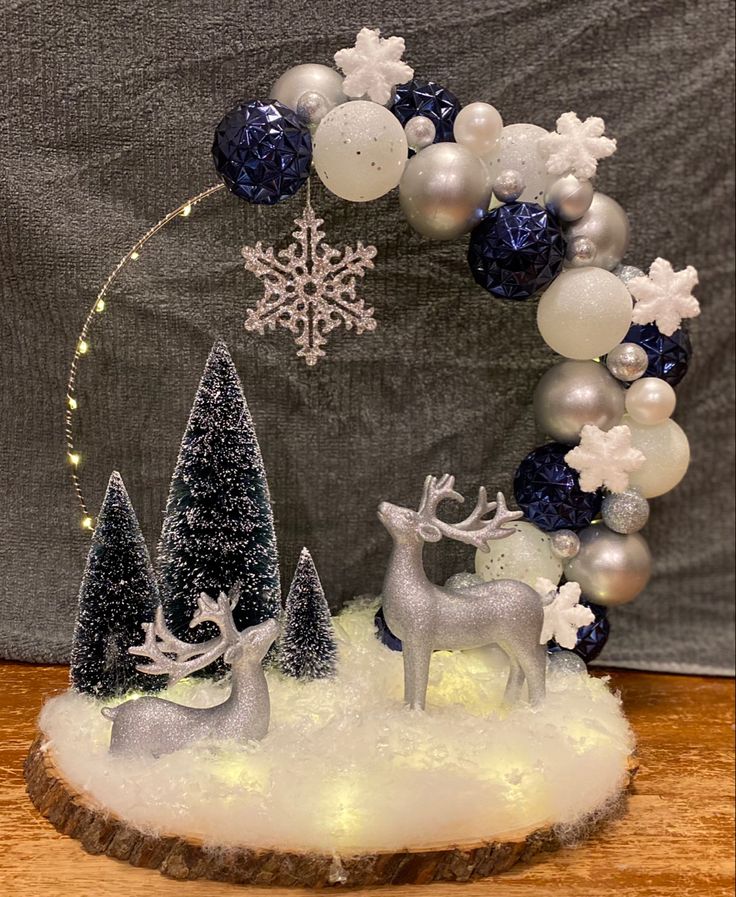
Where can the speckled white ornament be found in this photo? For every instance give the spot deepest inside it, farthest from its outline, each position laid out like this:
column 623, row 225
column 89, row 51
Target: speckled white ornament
column 478, row 127
column 310, row 77
column 584, row 313
column 650, row 401
column 526, row 556
column 360, row 151
column 518, row 150
column 667, row 453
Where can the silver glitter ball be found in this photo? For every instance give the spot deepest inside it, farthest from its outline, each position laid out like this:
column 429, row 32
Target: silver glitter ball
column 581, row 251
column 566, row 663
column 420, row 132
column 606, row 225
column 508, row 186
column 463, row 580
column 569, row 197
column 627, row 362
column 611, row 568
column 312, row 107
column 565, row 543
column 625, row 512
column 626, row 273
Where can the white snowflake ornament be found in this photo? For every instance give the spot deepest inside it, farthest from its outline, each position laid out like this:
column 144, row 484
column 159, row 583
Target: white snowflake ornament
column 563, row 614
column 373, row 67
column 605, row 458
column 664, row 296
column 576, row 146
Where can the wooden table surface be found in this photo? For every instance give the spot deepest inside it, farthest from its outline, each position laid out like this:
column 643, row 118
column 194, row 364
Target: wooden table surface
column 677, row 839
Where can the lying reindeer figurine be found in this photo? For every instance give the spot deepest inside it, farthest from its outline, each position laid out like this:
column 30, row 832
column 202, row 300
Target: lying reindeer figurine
column 154, row 726
column 427, row 617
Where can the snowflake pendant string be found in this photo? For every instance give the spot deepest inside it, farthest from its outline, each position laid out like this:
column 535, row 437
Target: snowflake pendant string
column 309, row 287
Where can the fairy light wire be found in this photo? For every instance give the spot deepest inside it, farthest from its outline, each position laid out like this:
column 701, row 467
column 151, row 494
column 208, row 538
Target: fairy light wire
column 82, row 346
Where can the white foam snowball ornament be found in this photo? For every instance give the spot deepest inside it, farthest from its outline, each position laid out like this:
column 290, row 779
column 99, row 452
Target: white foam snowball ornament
column 667, row 452
column 650, row 401
column 478, row 128
column 359, row 151
column 518, row 150
column 584, row 313
column 309, row 78
column 525, row 556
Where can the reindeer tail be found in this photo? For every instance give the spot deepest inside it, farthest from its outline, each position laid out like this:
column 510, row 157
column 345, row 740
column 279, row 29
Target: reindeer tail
column 109, row 712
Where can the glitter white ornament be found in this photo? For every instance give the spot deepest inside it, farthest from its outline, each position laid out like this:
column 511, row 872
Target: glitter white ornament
column 518, row 150
column 373, row 67
column 605, row 458
column 478, row 127
column 664, row 296
column 576, row 146
column 667, row 452
column 524, row 556
column 563, row 614
column 309, row 287
column 359, row 151
column 650, row 401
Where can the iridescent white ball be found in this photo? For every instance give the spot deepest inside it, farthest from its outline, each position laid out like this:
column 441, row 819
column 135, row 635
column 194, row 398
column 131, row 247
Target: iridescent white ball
column 572, row 394
column 420, row 132
column 565, row 544
column 584, row 313
column 650, row 401
column 610, row 568
column 606, row 225
column 478, row 127
column 525, row 556
column 311, row 77
column 627, row 361
column 445, row 191
column 312, row 107
column 625, row 512
column 518, row 150
column 667, row 452
column 359, row 151
column 508, row 186
column 569, row 197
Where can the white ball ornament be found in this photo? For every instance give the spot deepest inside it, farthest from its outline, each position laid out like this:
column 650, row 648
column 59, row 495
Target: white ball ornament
column 584, row 313
column 525, row 556
column 667, row 452
column 478, row 127
column 650, row 401
column 445, row 191
column 518, row 150
column 359, row 151
column 309, row 78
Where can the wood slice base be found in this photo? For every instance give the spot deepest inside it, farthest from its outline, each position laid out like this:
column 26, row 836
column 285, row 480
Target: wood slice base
column 101, row 832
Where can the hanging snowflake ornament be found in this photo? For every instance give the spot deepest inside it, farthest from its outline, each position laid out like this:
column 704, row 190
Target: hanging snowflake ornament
column 605, row 458
column 664, row 297
column 373, row 67
column 563, row 614
column 576, row 146
column 309, row 287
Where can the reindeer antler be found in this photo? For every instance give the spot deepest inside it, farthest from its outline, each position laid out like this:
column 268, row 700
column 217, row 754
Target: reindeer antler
column 436, row 491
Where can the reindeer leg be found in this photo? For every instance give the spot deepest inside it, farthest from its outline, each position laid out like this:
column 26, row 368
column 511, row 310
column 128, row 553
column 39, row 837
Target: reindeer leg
column 515, row 682
column 416, row 674
column 533, row 661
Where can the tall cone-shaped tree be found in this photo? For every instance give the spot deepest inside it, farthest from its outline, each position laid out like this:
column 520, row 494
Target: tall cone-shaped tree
column 118, row 594
column 218, row 528
column 307, row 649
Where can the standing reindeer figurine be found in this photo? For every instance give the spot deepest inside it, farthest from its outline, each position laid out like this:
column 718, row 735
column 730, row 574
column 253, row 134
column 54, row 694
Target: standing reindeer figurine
column 155, row 726
column 427, row 617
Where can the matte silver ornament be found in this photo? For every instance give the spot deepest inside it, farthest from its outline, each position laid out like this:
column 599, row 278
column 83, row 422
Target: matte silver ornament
column 508, row 186
column 312, row 107
column 610, row 568
column 420, row 132
column 627, row 362
column 445, row 191
column 565, row 543
column 569, row 197
column 625, row 512
column 310, row 77
column 153, row 726
column 606, row 225
column 572, row 394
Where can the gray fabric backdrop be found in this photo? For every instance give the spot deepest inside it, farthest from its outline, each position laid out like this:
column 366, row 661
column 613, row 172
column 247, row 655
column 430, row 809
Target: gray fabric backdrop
column 106, row 123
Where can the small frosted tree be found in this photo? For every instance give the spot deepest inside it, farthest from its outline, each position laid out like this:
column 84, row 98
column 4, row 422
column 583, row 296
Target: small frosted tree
column 218, row 528
column 118, row 594
column 307, row 649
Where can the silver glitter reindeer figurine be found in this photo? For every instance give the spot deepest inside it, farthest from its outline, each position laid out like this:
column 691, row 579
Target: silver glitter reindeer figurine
column 154, row 726
column 427, row 617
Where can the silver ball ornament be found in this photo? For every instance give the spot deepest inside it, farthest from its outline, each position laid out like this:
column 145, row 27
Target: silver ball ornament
column 572, row 394
column 508, row 186
column 627, row 362
column 581, row 252
column 309, row 78
column 650, row 400
column 565, row 544
column 606, row 225
column 312, row 107
column 445, row 191
column 610, row 568
column 625, row 512
column 569, row 198
column 566, row 663
column 420, row 132
column 626, row 273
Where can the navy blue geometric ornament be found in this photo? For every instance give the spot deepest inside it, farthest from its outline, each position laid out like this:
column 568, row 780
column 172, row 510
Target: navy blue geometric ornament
column 384, row 634
column 431, row 100
column 262, row 150
column 516, row 250
column 548, row 491
column 669, row 356
column 591, row 638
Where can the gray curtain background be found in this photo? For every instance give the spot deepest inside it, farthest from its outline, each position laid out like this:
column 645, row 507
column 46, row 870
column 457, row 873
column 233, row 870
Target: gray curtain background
column 106, row 123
